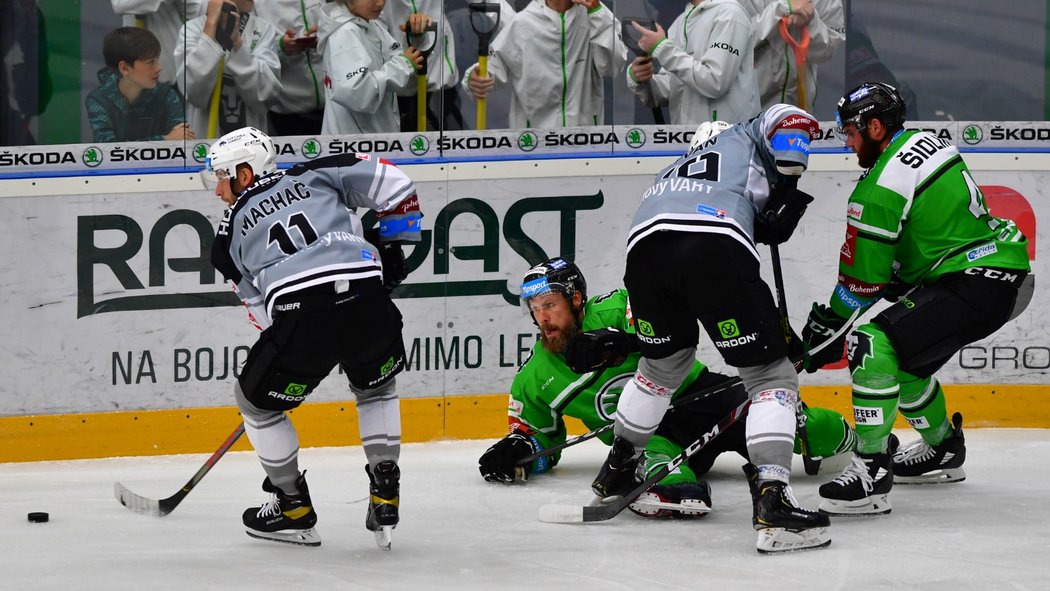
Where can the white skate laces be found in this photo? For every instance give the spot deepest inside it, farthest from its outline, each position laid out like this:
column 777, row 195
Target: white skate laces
column 914, row 452
column 271, row 508
column 857, row 470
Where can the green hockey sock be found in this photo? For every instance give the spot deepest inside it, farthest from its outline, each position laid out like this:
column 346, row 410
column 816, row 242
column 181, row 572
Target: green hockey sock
column 873, row 365
column 661, row 451
column 922, row 404
column 827, row 433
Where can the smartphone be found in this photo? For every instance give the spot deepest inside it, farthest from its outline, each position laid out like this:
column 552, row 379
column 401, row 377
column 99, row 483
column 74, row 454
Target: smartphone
column 306, row 41
column 631, row 35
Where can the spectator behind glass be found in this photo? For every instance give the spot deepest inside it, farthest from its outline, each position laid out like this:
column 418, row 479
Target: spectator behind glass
column 130, row 104
column 365, row 67
column 707, row 65
column 775, row 64
column 459, row 18
column 554, row 55
column 228, row 68
column 443, row 103
column 163, row 18
column 299, row 109
column 25, row 79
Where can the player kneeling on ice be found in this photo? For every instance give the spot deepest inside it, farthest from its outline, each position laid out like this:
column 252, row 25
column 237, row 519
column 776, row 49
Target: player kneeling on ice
column 586, row 353
column 918, row 233
column 301, row 263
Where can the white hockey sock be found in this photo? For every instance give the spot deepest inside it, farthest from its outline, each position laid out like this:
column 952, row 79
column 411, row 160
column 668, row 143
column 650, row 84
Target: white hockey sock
column 277, row 445
column 641, row 407
column 771, row 433
column 379, row 421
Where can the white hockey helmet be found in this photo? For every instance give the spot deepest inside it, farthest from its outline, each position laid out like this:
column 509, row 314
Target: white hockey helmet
column 706, row 131
column 244, row 146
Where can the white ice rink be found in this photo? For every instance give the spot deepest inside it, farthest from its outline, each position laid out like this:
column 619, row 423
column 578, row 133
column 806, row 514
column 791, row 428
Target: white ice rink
column 458, row 532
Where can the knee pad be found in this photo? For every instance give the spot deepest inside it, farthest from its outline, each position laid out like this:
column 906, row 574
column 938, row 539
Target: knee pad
column 779, row 374
column 386, row 390
column 668, row 371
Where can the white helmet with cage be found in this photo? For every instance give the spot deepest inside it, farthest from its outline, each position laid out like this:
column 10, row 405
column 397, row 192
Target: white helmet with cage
column 244, row 146
column 706, row 131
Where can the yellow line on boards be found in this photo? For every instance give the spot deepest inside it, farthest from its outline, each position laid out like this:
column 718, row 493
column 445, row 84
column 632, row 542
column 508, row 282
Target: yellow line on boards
column 326, row 424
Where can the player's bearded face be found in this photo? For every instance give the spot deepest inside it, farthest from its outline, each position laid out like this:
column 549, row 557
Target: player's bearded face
column 556, row 321
column 867, row 151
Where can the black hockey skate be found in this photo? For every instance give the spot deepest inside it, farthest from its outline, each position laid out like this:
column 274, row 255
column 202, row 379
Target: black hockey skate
column 920, row 463
column 284, row 518
column 782, row 525
column 617, row 475
column 383, row 502
column 864, row 486
column 684, row 500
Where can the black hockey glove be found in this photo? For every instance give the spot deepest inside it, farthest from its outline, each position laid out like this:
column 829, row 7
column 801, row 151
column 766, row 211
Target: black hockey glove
column 599, row 349
column 395, row 268
column 778, row 221
column 499, row 463
column 821, row 326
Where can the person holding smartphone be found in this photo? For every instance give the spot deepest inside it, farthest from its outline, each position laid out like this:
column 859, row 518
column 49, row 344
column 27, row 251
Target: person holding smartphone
column 299, row 108
column 707, row 65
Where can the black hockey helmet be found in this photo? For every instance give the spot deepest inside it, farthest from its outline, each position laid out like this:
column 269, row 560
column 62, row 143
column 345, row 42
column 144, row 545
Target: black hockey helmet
column 871, row 100
column 557, row 275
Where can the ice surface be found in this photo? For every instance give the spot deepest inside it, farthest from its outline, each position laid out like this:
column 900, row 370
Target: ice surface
column 459, row 532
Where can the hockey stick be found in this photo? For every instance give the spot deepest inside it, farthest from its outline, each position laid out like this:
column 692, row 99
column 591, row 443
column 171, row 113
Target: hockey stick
column 579, row 514
column 555, row 513
column 683, row 401
column 164, row 506
column 809, row 464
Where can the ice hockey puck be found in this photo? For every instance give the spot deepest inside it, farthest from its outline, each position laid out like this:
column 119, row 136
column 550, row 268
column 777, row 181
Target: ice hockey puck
column 39, row 517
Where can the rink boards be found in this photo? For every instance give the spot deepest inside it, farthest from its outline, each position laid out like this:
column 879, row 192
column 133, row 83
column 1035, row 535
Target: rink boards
column 121, row 340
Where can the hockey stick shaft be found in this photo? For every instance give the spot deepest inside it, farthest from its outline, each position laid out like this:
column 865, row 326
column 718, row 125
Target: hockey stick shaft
column 683, row 401
column 604, row 512
column 162, row 507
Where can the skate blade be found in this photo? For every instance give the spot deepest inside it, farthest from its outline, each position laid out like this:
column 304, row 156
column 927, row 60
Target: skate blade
column 873, row 505
column 299, row 537
column 652, row 508
column 384, row 536
column 776, row 540
column 945, row 476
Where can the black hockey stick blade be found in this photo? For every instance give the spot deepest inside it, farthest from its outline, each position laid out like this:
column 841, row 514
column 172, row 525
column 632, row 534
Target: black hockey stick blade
column 161, row 507
column 683, row 401
column 555, row 513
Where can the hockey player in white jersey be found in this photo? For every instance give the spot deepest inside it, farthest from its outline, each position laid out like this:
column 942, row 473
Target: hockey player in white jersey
column 691, row 256
column 301, row 263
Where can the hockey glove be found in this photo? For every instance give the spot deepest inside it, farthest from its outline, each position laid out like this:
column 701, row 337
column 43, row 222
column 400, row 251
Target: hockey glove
column 395, row 268
column 499, row 463
column 821, row 326
column 599, row 349
column 780, row 218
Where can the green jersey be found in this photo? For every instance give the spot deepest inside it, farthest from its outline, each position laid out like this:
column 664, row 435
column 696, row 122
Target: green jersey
column 915, row 216
column 545, row 389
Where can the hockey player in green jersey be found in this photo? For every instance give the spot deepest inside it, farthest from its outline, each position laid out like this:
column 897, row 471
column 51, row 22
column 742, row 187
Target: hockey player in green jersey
column 586, row 353
column 918, row 233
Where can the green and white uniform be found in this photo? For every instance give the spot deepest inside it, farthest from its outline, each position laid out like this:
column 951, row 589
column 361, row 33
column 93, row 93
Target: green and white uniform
column 915, row 219
column 545, row 390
